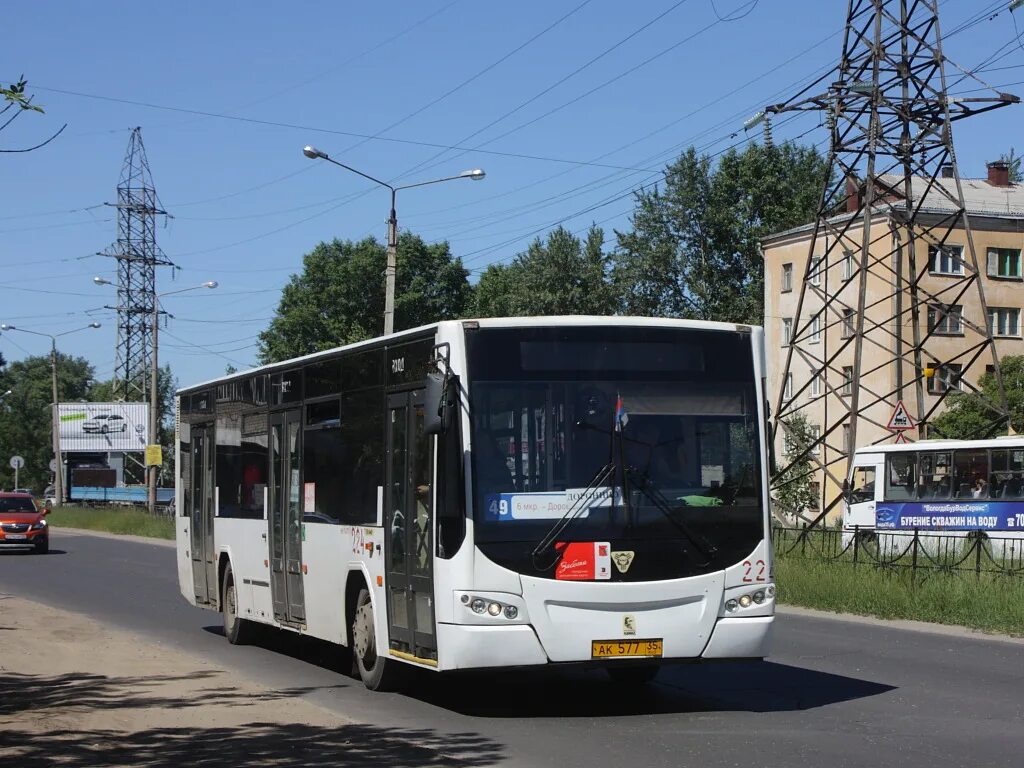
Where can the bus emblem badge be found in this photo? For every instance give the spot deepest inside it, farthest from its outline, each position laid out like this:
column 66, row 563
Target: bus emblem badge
column 629, row 624
column 622, row 560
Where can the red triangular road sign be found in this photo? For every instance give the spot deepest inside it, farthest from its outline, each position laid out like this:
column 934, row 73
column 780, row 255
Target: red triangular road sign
column 900, row 418
column 901, row 438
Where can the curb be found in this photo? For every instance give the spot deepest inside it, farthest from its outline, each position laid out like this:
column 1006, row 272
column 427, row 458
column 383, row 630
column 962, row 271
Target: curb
column 61, row 530
column 907, row 625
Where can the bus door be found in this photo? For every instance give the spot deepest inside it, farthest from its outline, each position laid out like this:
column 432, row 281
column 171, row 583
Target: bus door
column 284, row 519
column 204, row 565
column 865, row 489
column 409, row 513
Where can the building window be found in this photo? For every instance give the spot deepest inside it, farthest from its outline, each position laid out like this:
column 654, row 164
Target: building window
column 848, row 323
column 945, row 319
column 815, row 434
column 816, row 268
column 815, row 336
column 946, row 259
column 815, row 388
column 847, row 448
column 787, row 391
column 1004, row 321
column 946, row 377
column 787, row 278
column 787, row 330
column 847, row 388
column 1004, row 262
column 847, row 265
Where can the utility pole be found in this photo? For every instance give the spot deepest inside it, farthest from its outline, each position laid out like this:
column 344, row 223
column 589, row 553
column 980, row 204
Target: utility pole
column 58, row 483
column 152, row 468
column 891, row 161
column 137, row 256
column 392, row 250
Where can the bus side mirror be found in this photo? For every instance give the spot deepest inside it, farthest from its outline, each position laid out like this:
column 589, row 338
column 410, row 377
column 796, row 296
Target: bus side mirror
column 846, row 489
column 437, row 403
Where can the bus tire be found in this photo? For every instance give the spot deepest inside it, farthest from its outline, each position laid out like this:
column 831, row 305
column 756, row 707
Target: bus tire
column 633, row 677
column 237, row 630
column 377, row 674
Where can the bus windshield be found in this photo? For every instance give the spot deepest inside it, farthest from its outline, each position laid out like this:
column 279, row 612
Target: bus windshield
column 673, row 408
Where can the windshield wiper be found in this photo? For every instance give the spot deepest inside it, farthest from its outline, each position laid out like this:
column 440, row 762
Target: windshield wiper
column 600, row 479
column 662, row 504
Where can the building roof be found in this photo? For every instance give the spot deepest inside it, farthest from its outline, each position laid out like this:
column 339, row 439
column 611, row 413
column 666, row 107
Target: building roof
column 980, row 198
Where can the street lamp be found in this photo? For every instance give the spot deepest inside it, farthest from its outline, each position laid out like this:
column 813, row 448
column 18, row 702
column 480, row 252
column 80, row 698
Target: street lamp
column 151, row 469
column 389, row 273
column 59, row 473
column 154, row 395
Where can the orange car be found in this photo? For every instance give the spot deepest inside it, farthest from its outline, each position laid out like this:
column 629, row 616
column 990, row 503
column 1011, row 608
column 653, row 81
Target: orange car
column 22, row 523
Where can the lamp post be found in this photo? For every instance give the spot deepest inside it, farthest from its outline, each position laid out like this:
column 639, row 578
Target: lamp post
column 59, row 473
column 154, row 399
column 389, row 272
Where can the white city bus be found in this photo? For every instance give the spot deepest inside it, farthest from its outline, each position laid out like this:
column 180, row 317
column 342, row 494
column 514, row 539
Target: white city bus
column 939, row 488
column 489, row 493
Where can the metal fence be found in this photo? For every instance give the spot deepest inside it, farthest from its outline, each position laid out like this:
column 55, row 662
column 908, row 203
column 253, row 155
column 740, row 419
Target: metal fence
column 994, row 554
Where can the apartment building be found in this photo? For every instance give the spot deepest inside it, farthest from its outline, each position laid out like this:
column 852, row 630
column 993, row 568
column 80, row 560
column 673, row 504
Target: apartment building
column 996, row 211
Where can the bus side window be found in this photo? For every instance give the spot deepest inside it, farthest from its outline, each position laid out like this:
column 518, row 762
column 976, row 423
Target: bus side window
column 900, row 476
column 863, row 485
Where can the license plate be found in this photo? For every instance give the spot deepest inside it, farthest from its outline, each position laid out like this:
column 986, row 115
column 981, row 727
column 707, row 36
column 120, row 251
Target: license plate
column 605, row 649
column 16, row 536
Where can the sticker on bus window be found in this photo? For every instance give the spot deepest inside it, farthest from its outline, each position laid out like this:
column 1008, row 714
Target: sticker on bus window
column 309, row 497
column 584, row 561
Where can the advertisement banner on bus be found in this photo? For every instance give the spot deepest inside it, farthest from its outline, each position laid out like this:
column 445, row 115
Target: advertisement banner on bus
column 102, row 427
column 950, row 515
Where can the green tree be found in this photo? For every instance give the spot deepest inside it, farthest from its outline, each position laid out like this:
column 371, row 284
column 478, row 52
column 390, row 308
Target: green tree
column 973, row 415
column 1012, row 159
column 14, row 97
column 791, row 490
column 26, row 416
column 339, row 297
column 694, row 248
column 560, row 276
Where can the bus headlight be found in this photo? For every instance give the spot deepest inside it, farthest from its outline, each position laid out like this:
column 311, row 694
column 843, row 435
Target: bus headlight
column 494, row 609
column 770, row 591
column 745, row 601
column 511, row 611
column 759, row 597
column 478, row 605
column 490, row 608
column 731, row 605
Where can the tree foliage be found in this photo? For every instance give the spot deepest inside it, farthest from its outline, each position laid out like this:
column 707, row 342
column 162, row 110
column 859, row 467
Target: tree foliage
column 1012, row 160
column 26, row 416
column 339, row 297
column 694, row 249
column 792, row 490
column 15, row 97
column 971, row 415
column 560, row 276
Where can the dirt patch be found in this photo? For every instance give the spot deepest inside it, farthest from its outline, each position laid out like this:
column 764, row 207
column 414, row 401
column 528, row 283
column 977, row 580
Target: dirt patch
column 76, row 693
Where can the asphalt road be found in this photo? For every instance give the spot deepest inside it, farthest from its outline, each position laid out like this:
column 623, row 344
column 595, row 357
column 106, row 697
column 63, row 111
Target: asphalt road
column 834, row 693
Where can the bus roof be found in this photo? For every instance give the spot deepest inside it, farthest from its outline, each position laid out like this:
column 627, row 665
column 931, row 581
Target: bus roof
column 1006, row 441
column 488, row 322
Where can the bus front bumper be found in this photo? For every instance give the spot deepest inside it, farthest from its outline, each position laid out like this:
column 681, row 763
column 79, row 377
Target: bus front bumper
column 465, row 646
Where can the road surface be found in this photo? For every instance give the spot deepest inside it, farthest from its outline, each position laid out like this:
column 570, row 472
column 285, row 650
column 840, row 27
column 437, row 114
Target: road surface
column 834, row 693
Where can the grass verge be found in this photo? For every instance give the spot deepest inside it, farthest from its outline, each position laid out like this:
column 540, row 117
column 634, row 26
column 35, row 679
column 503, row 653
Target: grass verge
column 122, row 520
column 990, row 604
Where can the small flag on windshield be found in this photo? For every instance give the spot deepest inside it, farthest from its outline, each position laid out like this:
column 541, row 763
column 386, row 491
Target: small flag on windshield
column 621, row 417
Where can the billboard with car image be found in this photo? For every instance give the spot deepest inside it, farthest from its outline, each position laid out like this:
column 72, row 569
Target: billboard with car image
column 100, row 427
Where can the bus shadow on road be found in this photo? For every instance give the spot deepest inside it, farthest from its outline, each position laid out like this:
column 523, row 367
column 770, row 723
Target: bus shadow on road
column 691, row 688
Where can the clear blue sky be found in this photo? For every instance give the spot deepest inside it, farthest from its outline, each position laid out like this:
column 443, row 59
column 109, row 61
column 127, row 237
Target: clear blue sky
column 247, row 205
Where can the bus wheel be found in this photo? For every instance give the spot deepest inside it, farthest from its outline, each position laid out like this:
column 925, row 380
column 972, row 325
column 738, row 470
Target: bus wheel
column 376, row 673
column 238, row 631
column 633, row 676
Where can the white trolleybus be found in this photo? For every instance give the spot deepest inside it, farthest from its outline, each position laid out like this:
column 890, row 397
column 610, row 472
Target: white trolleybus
column 489, row 493
column 942, row 489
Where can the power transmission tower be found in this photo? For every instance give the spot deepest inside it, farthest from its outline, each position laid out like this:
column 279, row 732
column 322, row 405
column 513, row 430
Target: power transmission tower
column 892, row 199
column 137, row 256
